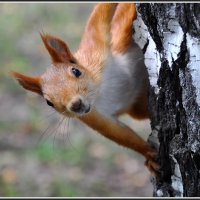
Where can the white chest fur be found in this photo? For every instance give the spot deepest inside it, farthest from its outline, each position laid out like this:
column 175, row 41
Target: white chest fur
column 123, row 78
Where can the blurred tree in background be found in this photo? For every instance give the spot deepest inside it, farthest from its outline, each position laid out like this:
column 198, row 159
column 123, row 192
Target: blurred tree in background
column 43, row 154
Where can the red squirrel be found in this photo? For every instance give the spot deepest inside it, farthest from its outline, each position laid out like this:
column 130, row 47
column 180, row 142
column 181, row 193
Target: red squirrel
column 106, row 77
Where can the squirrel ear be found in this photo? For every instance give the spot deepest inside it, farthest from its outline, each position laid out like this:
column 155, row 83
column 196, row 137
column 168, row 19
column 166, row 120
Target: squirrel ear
column 57, row 49
column 29, row 83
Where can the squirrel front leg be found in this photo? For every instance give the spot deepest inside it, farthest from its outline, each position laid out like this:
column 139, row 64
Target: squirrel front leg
column 122, row 135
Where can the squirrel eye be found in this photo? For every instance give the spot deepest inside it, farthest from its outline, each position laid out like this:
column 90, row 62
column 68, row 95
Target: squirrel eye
column 49, row 103
column 76, row 72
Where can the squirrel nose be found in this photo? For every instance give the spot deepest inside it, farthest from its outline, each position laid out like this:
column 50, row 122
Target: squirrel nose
column 77, row 105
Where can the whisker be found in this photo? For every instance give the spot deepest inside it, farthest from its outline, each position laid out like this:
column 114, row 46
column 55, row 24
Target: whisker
column 43, row 133
column 63, row 132
column 67, row 131
column 51, row 132
column 66, row 128
column 60, row 122
column 50, row 115
column 68, row 136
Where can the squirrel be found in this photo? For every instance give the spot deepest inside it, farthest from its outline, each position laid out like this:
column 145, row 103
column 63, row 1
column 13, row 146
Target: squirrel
column 105, row 78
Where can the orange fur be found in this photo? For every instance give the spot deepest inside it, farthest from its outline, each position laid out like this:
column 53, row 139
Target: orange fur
column 29, row 83
column 120, row 30
column 59, row 53
column 122, row 135
column 73, row 80
column 94, row 45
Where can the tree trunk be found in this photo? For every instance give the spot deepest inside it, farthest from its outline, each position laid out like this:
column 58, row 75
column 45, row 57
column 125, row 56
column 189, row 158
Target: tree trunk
column 169, row 37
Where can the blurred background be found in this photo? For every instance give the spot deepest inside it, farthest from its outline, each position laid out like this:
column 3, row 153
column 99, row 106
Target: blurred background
column 43, row 155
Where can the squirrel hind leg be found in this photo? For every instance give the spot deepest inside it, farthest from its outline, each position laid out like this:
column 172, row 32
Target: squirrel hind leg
column 139, row 109
column 121, row 27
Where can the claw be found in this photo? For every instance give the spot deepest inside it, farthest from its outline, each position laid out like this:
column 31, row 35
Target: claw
column 152, row 167
column 151, row 164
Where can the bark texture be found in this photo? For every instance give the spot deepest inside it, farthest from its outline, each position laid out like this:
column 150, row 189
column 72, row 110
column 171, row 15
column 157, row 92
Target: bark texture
column 169, row 36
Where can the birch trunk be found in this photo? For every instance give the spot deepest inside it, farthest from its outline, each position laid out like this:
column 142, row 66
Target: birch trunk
column 169, row 35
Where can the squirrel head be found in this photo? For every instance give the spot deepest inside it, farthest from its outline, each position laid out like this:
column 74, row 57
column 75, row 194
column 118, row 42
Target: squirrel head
column 66, row 85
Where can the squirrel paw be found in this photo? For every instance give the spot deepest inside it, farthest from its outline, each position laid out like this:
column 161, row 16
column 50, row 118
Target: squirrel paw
column 151, row 164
